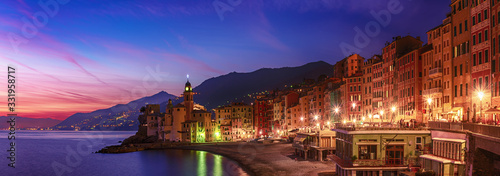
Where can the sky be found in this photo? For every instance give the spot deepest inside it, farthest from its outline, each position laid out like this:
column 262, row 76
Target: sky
column 79, row 56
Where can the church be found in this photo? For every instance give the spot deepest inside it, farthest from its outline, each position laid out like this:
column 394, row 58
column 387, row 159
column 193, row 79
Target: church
column 183, row 122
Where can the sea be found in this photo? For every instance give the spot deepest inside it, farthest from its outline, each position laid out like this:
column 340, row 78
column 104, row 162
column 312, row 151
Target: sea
column 72, row 153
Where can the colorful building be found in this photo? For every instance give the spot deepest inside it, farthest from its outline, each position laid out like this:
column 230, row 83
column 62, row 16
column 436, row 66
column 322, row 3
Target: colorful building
column 378, row 151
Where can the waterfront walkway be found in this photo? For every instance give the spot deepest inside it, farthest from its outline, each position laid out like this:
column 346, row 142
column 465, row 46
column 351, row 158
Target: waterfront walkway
column 266, row 159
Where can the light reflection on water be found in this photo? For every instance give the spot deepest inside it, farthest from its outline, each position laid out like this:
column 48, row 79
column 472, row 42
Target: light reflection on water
column 37, row 151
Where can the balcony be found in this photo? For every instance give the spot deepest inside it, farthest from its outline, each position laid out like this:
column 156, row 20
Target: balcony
column 432, row 91
column 435, row 72
column 488, row 130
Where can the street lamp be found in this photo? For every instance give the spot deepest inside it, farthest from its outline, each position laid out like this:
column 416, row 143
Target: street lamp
column 429, row 101
column 381, row 117
column 480, row 95
column 353, row 109
column 336, row 114
column 393, row 109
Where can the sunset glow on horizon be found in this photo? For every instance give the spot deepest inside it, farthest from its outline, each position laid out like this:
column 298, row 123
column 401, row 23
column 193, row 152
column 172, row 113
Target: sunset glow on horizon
column 90, row 56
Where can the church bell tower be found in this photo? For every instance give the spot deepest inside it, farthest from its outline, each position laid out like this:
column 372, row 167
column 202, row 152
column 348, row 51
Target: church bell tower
column 188, row 99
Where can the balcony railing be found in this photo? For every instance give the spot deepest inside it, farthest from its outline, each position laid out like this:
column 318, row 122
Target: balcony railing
column 435, row 72
column 385, row 162
column 435, row 90
column 489, row 130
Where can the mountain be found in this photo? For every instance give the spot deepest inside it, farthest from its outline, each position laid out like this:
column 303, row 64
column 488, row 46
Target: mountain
column 25, row 122
column 213, row 92
column 219, row 90
column 118, row 117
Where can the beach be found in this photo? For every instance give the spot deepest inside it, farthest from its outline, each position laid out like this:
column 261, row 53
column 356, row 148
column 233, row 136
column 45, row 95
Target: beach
column 266, row 159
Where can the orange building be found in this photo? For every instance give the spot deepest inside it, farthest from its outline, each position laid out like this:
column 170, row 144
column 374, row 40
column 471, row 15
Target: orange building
column 367, row 86
column 481, row 59
column 461, row 47
column 409, row 87
column 390, row 53
column 437, row 76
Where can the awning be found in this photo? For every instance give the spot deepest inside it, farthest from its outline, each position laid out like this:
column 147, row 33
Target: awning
column 299, row 139
column 492, row 111
column 455, row 110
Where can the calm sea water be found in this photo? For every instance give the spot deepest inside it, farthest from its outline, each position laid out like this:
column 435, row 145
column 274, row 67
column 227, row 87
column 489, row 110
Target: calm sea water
column 70, row 153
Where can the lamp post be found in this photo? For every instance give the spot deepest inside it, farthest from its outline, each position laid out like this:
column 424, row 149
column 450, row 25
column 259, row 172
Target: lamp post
column 429, row 101
column 353, row 108
column 393, row 110
column 336, row 113
column 480, row 95
column 302, row 121
column 381, row 117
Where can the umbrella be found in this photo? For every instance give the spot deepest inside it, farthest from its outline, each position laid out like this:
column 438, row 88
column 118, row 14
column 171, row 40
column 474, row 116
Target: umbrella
column 492, row 111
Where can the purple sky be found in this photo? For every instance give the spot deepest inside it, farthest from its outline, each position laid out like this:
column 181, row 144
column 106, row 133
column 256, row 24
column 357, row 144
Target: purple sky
column 88, row 55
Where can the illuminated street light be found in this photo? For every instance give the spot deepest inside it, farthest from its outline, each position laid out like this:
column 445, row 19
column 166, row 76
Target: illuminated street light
column 393, row 108
column 302, row 119
column 315, row 117
column 480, row 95
column 429, row 101
column 363, row 118
column 336, row 110
column 328, row 123
column 353, row 105
column 344, row 121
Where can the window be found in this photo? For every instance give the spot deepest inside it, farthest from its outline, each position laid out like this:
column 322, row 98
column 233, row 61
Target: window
column 478, row 17
column 394, row 154
column 486, row 35
column 480, row 83
column 461, row 90
column 455, row 71
column 460, row 28
column 461, row 69
column 418, row 143
column 493, row 66
column 455, row 31
column 485, row 14
column 486, row 82
column 474, row 59
column 367, row 152
column 480, row 58
column 466, row 89
column 494, row 43
column 456, row 91
column 486, row 60
column 474, row 20
column 493, row 20
column 474, row 40
column 479, row 37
